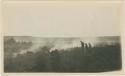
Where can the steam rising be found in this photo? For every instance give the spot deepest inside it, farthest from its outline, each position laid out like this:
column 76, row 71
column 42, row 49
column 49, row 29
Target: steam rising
column 55, row 43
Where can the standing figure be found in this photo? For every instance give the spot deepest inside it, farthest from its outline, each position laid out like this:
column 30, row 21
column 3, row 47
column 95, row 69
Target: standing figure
column 82, row 44
column 90, row 46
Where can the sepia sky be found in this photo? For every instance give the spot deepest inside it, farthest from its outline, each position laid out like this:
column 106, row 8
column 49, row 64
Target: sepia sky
column 61, row 19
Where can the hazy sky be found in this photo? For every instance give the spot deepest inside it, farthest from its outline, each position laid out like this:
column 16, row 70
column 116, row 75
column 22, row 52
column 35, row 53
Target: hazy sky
column 61, row 19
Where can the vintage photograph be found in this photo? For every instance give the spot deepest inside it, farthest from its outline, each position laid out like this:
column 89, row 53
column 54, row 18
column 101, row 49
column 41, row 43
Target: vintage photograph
column 36, row 54
column 43, row 37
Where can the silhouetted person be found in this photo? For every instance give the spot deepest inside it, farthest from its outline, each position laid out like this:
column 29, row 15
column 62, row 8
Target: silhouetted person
column 86, row 46
column 82, row 44
column 90, row 46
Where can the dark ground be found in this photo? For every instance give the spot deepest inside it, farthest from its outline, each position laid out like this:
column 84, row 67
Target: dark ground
column 101, row 58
